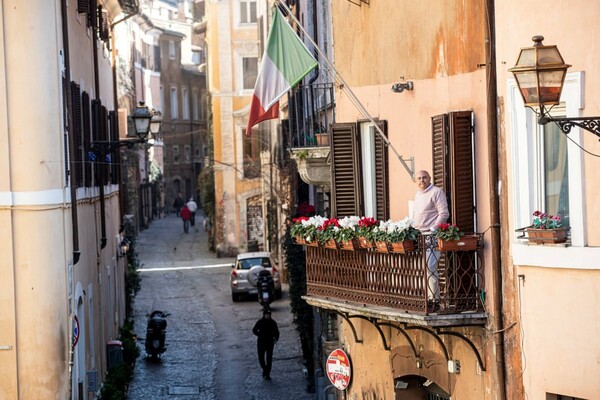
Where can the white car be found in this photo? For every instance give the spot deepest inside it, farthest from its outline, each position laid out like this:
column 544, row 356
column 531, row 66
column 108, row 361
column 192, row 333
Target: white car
column 244, row 274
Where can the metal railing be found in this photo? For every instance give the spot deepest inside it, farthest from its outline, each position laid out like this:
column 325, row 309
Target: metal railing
column 398, row 281
column 311, row 112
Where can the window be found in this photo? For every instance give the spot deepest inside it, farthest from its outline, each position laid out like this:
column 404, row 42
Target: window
column 185, row 103
column 250, row 72
column 187, row 153
column 360, row 171
column 547, row 174
column 171, row 50
column 195, row 105
column 251, row 155
column 175, row 154
column 174, row 105
column 247, row 11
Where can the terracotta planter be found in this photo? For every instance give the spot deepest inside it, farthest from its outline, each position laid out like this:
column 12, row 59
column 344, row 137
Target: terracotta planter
column 330, row 244
column 300, row 240
column 402, row 247
column 314, row 243
column 365, row 243
column 465, row 243
column 541, row 236
column 382, row 247
column 322, row 139
column 349, row 245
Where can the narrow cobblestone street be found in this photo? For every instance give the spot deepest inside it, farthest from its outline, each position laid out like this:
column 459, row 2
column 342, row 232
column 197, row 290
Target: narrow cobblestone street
column 211, row 351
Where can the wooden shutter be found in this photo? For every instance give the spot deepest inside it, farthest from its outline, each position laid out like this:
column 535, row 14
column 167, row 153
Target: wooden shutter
column 113, row 122
column 87, row 138
column 439, row 175
column 92, row 14
column 103, row 24
column 462, row 190
column 346, row 188
column 77, row 173
column 82, row 6
column 382, row 175
column 66, row 126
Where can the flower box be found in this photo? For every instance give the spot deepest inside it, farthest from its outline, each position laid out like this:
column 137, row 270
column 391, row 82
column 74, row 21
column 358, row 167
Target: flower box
column 382, row 247
column 365, row 243
column 330, row 244
column 402, row 247
column 349, row 245
column 300, row 240
column 465, row 243
column 542, row 236
column 313, row 243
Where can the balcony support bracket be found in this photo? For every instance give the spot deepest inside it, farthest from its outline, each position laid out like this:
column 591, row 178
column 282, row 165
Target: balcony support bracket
column 347, row 317
column 468, row 341
column 435, row 336
column 402, row 331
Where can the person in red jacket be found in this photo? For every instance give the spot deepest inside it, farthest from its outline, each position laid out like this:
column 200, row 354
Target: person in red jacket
column 186, row 216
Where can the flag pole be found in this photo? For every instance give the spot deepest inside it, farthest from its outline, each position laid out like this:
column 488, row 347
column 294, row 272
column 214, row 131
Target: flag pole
column 346, row 88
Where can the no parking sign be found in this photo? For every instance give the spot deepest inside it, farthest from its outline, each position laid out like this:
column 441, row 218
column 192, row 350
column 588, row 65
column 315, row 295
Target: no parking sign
column 75, row 330
column 339, row 370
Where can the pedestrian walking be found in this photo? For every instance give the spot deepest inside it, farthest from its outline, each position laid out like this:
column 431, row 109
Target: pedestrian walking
column 178, row 203
column 193, row 207
column 268, row 334
column 186, row 215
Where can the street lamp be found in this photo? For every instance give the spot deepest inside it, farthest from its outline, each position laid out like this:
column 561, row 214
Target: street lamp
column 155, row 123
column 540, row 74
column 142, row 123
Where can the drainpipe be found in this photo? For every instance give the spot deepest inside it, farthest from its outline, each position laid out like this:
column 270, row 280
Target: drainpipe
column 499, row 374
column 69, row 102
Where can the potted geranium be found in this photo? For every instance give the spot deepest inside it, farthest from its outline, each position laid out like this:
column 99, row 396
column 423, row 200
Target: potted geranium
column 395, row 236
column 364, row 231
column 450, row 238
column 546, row 228
column 297, row 230
column 347, row 233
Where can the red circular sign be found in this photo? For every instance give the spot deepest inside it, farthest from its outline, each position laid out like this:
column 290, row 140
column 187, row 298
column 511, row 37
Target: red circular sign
column 75, row 330
column 339, row 370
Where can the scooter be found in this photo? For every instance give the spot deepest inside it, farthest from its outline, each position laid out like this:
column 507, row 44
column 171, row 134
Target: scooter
column 156, row 331
column 266, row 289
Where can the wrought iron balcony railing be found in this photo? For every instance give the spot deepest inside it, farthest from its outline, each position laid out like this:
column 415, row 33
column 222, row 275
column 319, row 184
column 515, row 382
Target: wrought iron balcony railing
column 311, row 112
column 400, row 283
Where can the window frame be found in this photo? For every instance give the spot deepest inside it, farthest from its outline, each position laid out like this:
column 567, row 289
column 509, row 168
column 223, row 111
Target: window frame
column 523, row 126
column 174, row 106
column 248, row 5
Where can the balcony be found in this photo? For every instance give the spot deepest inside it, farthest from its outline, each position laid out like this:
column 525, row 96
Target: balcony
column 311, row 111
column 393, row 287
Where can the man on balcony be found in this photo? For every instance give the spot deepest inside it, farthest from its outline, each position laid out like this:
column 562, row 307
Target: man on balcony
column 430, row 208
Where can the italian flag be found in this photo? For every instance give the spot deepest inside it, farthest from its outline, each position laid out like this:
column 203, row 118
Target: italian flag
column 285, row 62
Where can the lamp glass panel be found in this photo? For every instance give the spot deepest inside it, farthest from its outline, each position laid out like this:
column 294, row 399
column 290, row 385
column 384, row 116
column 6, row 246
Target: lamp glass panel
column 142, row 126
column 154, row 127
column 526, row 58
column 528, row 85
column 549, row 55
column 550, row 85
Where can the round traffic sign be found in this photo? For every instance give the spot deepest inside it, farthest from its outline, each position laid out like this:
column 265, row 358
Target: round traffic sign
column 75, row 330
column 339, row 370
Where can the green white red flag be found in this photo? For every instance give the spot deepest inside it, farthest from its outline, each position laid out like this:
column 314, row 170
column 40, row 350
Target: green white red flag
column 285, row 62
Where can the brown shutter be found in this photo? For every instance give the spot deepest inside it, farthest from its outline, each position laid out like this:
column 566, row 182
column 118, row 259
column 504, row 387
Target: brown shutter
column 346, row 190
column 382, row 174
column 461, row 167
column 87, row 138
column 103, row 24
column 77, row 135
column 113, row 122
column 92, row 14
column 82, row 6
column 66, row 126
column 439, row 175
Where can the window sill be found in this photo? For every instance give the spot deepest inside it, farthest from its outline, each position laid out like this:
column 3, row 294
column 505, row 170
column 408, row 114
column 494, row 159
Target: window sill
column 556, row 256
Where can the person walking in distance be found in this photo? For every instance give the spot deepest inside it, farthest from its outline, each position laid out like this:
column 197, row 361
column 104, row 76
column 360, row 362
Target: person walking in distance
column 268, row 334
column 193, row 207
column 186, row 215
column 178, row 203
column 430, row 208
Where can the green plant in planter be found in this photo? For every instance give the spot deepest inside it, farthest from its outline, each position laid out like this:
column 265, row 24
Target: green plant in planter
column 542, row 220
column 447, row 231
column 395, row 231
column 365, row 228
column 347, row 229
column 328, row 230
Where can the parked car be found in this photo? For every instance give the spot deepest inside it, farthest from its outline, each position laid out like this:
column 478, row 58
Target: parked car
column 245, row 270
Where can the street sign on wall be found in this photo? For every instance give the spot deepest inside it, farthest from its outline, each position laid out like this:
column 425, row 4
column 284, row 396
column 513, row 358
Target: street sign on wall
column 339, row 370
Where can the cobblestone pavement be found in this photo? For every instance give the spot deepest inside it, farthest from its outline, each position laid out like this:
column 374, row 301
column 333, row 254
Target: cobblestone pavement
column 211, row 351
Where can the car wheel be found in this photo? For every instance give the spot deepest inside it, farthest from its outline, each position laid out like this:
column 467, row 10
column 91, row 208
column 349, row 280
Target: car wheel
column 235, row 297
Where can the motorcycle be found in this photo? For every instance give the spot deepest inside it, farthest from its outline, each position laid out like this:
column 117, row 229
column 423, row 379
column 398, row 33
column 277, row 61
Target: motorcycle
column 156, row 331
column 266, row 289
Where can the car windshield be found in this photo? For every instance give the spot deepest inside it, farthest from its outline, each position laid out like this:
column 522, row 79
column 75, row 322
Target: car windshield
column 248, row 263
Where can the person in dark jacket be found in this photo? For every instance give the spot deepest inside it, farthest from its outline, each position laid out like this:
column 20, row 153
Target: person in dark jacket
column 178, row 203
column 268, row 334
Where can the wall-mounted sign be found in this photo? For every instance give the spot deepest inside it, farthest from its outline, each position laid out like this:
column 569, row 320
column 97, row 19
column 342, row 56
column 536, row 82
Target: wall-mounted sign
column 339, row 370
column 75, row 330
